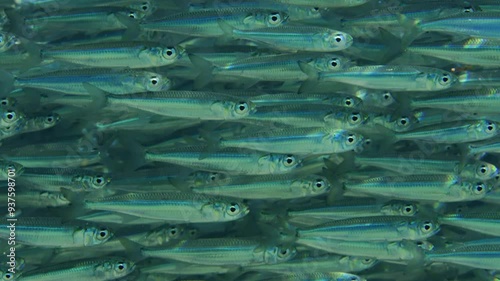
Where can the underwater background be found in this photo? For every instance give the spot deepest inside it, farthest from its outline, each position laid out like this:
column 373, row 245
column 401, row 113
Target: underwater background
column 310, row 140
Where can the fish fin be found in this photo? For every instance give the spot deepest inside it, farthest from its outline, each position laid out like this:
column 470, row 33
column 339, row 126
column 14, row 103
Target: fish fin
column 99, row 97
column 213, row 140
column 133, row 29
column 312, row 77
column 134, row 250
column 6, row 82
column 412, row 27
column 226, row 28
column 205, row 68
column 394, row 45
column 75, row 209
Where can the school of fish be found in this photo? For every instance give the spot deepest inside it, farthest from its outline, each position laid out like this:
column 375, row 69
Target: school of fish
column 221, row 140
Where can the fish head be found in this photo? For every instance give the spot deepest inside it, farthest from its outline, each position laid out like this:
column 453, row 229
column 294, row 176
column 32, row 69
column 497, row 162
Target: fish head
column 425, row 228
column 336, row 40
column 163, row 234
column 240, row 108
column 279, row 254
column 348, row 141
column 471, row 190
column 331, row 63
column 274, row 19
column 93, row 182
column 49, row 121
column 281, row 163
column 154, row 82
column 12, row 167
column 480, row 170
column 314, row 185
column 400, row 209
column 146, row 7
column 115, row 268
column 57, row 198
column 440, row 80
column 97, row 235
column 223, row 210
column 356, row 263
column 11, row 117
column 300, row 12
column 162, row 55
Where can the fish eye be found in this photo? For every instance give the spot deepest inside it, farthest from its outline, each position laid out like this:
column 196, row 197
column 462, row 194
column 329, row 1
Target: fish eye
column 387, row 95
column 333, row 63
column 479, row 188
column 355, row 118
column 50, row 119
column 367, row 261
column 103, row 234
column 409, row 209
column 427, row 226
column 169, row 53
column 10, row 115
column 275, row 18
column 319, row 184
column 339, row 38
column 468, row 10
column 145, row 6
column 351, row 139
column 154, row 80
column 234, row 209
column 354, row 278
column 289, row 160
column 132, row 15
column 193, row 232
column 404, row 121
column 242, row 107
column 283, row 253
column 99, row 181
column 445, row 79
column 482, row 169
column 173, row 232
column 213, row 176
column 348, row 102
column 121, row 266
column 4, row 102
column 7, row 276
column 490, row 128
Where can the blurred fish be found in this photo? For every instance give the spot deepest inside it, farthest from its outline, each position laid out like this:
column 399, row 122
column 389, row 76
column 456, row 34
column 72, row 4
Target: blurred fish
column 76, row 180
column 223, row 251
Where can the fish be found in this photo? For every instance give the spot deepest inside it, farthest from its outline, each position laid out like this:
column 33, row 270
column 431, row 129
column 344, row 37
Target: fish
column 451, row 132
column 478, row 256
column 76, row 180
column 115, row 82
column 203, row 23
column 419, row 165
column 173, row 207
column 99, row 269
column 302, row 141
column 229, row 160
column 434, row 188
column 269, row 187
column 223, row 251
column 322, row 263
column 293, row 38
column 116, row 55
column 373, row 228
column 387, row 77
column 52, row 233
